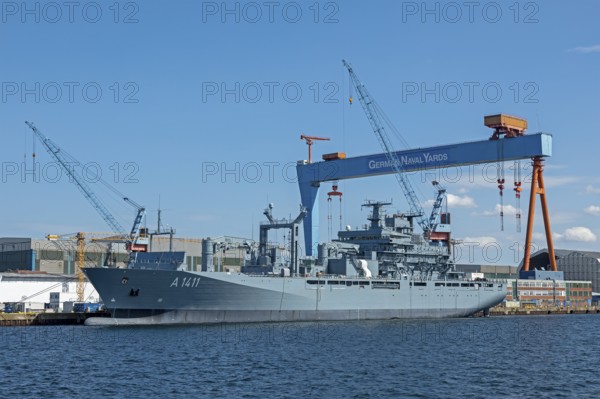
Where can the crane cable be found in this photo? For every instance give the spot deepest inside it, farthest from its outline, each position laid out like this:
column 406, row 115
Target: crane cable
column 518, row 190
column 402, row 140
column 501, row 181
column 74, row 162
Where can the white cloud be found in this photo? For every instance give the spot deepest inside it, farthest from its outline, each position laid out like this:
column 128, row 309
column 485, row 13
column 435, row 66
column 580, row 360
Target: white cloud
column 558, row 236
column 592, row 190
column 582, row 234
column 593, row 210
column 586, row 49
column 482, row 240
column 455, row 201
column 509, row 210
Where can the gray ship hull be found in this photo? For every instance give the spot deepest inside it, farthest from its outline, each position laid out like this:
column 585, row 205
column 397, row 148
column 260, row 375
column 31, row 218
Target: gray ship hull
column 176, row 297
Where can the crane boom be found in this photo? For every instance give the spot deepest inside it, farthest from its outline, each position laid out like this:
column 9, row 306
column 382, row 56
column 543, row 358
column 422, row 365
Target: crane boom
column 85, row 189
column 437, row 205
column 141, row 211
column 62, row 159
column 309, row 141
column 378, row 128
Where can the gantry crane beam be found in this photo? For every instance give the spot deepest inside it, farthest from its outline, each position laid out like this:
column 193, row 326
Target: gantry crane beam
column 310, row 176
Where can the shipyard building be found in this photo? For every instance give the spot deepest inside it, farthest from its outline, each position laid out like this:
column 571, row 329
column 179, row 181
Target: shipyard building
column 577, row 265
column 60, row 256
column 573, row 289
column 39, row 274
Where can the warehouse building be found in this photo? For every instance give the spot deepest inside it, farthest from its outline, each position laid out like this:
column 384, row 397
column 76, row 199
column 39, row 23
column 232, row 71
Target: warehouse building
column 574, row 290
column 488, row 271
column 566, row 293
column 60, row 256
column 56, row 256
column 38, row 291
column 576, row 265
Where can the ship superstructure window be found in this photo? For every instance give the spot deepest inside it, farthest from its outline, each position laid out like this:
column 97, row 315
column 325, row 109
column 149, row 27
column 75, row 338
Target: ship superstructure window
column 440, row 284
column 315, row 282
column 420, row 284
column 386, row 284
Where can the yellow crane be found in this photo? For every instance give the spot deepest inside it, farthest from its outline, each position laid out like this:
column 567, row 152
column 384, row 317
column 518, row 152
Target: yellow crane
column 80, row 239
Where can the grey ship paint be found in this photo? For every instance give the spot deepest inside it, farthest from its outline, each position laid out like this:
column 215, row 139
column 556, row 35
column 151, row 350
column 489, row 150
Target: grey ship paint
column 380, row 272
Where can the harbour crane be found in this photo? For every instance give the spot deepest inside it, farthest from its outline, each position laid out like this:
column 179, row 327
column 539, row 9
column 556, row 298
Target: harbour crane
column 375, row 119
column 133, row 239
column 309, row 141
column 80, row 239
column 437, row 205
column 80, row 258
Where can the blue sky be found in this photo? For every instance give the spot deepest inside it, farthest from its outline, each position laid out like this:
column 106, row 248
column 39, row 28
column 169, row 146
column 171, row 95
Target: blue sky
column 163, row 121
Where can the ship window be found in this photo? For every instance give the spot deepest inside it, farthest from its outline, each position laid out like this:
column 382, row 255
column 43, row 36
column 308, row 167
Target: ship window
column 349, row 283
column 420, row 284
column 333, row 282
column 440, row 284
column 313, row 282
column 364, row 283
column 355, row 283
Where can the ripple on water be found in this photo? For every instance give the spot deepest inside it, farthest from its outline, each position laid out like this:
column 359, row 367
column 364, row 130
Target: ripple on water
column 525, row 357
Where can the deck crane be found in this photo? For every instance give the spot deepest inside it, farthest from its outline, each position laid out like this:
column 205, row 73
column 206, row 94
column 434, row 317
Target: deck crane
column 65, row 161
column 309, row 141
column 437, row 205
column 366, row 100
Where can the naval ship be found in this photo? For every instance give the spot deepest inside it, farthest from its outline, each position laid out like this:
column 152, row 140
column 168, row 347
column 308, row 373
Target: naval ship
column 380, row 271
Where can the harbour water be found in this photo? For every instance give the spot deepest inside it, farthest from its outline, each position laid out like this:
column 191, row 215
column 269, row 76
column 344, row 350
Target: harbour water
column 555, row 356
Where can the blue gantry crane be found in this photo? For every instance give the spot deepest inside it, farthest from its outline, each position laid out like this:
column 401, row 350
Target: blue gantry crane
column 508, row 143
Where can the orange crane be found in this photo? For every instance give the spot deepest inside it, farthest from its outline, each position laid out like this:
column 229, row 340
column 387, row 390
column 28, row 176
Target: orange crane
column 80, row 258
column 309, row 142
column 80, row 238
